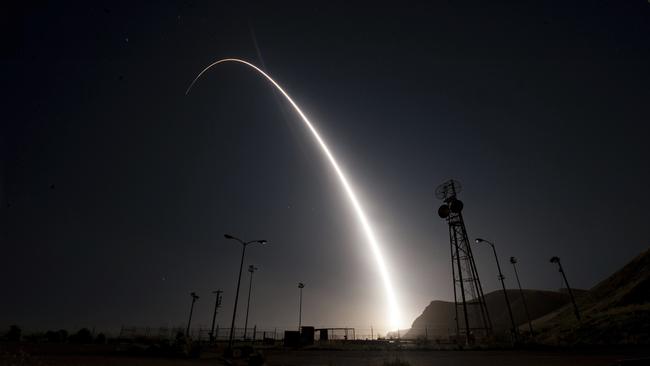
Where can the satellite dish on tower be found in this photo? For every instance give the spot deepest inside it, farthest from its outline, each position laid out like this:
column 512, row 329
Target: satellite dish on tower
column 448, row 189
column 443, row 211
column 456, row 206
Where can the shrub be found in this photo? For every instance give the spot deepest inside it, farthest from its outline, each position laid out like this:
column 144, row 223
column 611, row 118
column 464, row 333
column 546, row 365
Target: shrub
column 83, row 336
column 14, row 333
column 59, row 336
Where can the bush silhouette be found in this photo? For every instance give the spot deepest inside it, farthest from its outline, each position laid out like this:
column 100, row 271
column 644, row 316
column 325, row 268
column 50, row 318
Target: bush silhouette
column 58, row 336
column 83, row 336
column 63, row 335
column 14, row 333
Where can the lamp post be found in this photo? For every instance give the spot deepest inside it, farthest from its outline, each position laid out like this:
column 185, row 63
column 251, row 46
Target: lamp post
column 217, row 304
column 241, row 265
column 573, row 300
column 503, row 285
column 513, row 260
column 251, row 269
column 189, row 321
column 300, row 286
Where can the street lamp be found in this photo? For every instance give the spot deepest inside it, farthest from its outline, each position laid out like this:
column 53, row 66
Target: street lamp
column 194, row 298
column 513, row 260
column 503, row 285
column 300, row 286
column 251, row 269
column 573, row 300
column 241, row 265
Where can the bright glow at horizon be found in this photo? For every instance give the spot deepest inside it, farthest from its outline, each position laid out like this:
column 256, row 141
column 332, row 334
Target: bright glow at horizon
column 394, row 319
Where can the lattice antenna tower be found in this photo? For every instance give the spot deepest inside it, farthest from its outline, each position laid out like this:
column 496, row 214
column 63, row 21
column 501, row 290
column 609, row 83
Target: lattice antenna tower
column 472, row 317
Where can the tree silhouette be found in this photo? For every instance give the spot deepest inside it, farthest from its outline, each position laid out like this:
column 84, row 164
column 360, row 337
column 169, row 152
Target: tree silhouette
column 83, row 336
column 14, row 333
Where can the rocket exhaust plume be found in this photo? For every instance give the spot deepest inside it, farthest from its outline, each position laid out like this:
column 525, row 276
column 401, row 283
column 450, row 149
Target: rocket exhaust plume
column 394, row 320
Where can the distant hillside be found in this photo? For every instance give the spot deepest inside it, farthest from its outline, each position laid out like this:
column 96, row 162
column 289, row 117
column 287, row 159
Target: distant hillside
column 615, row 311
column 437, row 319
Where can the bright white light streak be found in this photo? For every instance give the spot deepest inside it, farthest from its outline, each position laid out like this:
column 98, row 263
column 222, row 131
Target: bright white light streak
column 394, row 319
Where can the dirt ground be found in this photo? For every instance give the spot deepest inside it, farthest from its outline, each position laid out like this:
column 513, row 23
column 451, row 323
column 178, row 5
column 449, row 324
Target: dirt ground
column 356, row 358
column 456, row 358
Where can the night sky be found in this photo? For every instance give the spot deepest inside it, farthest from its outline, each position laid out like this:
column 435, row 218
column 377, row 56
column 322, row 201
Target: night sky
column 116, row 188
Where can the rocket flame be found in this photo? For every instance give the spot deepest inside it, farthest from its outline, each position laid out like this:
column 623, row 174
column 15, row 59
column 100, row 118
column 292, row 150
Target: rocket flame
column 394, row 320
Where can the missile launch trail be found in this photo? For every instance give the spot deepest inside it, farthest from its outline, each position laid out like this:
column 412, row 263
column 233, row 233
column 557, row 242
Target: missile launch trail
column 394, row 320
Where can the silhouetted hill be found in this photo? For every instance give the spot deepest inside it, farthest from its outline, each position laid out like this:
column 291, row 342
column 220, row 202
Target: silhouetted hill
column 615, row 311
column 437, row 319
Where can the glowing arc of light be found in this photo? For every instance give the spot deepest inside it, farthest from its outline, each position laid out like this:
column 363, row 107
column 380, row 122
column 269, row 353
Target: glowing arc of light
column 394, row 315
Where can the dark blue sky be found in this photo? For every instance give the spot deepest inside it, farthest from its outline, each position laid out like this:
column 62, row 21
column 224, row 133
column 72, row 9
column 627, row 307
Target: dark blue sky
column 117, row 188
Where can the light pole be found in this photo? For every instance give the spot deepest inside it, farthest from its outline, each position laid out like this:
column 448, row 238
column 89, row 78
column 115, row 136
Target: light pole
column 573, row 300
column 217, row 304
column 251, row 269
column 241, row 265
column 503, row 285
column 300, row 286
column 189, row 321
column 513, row 260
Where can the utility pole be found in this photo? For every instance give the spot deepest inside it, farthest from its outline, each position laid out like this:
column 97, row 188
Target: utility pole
column 251, row 269
column 189, row 322
column 513, row 260
column 300, row 286
column 573, row 300
column 217, row 305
